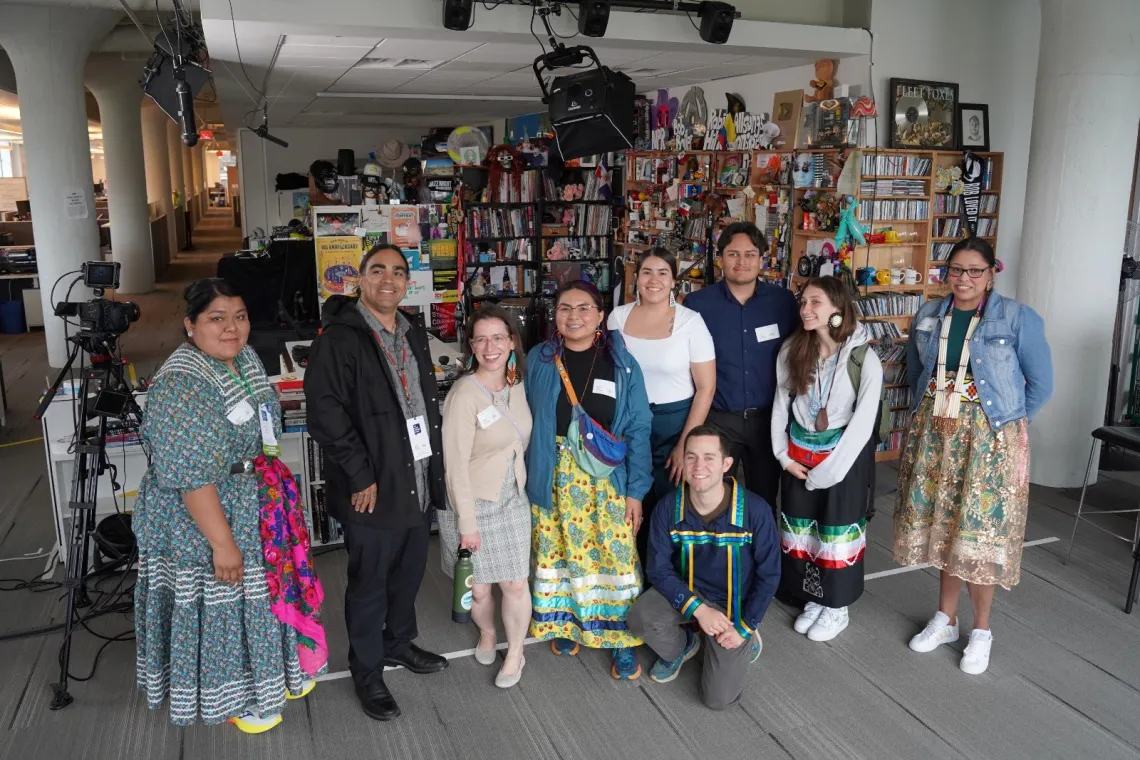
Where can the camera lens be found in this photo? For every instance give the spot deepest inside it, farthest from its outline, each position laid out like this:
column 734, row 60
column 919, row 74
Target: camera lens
column 131, row 311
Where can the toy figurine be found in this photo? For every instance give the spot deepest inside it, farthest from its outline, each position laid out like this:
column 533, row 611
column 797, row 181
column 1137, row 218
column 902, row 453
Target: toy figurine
column 848, row 226
column 824, row 82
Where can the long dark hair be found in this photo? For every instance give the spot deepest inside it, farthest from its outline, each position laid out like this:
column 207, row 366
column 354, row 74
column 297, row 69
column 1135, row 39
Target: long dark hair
column 803, row 346
column 554, row 345
column 482, row 314
column 201, row 293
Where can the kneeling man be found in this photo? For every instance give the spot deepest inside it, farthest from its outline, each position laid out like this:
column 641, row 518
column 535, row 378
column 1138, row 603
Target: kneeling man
column 714, row 558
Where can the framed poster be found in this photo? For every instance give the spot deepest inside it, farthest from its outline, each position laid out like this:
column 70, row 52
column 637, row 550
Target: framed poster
column 337, row 259
column 974, row 127
column 925, row 114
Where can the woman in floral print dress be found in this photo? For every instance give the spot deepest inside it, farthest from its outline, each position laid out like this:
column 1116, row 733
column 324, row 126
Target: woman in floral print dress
column 207, row 634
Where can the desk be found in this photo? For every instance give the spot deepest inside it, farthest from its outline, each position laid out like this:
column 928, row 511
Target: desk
column 33, row 311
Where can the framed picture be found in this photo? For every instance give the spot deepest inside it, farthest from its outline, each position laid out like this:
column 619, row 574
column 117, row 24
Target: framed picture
column 925, row 114
column 974, row 127
column 786, row 108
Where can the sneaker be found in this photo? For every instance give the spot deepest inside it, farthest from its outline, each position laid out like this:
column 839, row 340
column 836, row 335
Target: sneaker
column 664, row 671
column 625, row 667
column 757, row 645
column 831, row 623
column 252, row 723
column 807, row 619
column 976, row 658
column 937, row 632
column 564, row 647
column 306, row 687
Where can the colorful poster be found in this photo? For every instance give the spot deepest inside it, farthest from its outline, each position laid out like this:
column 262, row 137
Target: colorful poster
column 420, row 291
column 374, row 219
column 301, row 206
column 444, row 254
column 337, row 260
column 405, row 226
column 336, row 224
column 443, row 320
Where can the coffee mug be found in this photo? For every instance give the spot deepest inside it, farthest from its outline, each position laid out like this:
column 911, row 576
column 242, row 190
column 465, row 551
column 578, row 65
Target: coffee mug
column 896, row 276
column 866, row 276
column 935, row 275
column 911, row 276
column 883, row 277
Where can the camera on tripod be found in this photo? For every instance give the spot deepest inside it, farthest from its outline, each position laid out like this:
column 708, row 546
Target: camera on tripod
column 101, row 318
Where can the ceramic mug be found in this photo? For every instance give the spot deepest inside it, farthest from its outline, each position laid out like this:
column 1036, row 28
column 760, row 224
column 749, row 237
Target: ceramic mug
column 883, row 277
column 865, row 276
column 896, row 276
column 911, row 277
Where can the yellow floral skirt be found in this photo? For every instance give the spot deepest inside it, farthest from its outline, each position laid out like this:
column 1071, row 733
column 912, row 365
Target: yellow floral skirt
column 963, row 496
column 586, row 571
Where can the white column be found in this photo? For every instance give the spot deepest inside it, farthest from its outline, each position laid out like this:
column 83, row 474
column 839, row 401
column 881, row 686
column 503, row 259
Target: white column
column 174, row 148
column 188, row 180
column 1080, row 172
column 18, row 162
column 158, row 171
column 48, row 47
column 113, row 83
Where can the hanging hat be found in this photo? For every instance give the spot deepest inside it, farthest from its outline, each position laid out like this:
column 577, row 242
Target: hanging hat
column 392, row 154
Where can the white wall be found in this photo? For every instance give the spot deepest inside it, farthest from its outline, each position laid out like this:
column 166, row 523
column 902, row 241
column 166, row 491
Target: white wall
column 989, row 48
column 260, row 162
column 213, row 167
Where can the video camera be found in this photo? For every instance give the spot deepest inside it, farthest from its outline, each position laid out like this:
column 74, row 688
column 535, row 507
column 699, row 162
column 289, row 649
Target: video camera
column 101, row 318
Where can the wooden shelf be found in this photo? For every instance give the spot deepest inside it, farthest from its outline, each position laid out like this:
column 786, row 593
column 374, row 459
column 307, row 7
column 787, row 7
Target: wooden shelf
column 894, row 176
column 887, row 456
column 958, row 240
column 904, row 288
column 893, row 197
column 889, row 318
column 980, row 216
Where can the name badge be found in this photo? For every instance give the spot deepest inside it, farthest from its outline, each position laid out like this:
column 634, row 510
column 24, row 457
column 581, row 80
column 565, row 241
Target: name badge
column 605, row 388
column 241, row 413
column 926, row 324
column 269, row 444
column 767, row 333
column 418, row 435
column 489, row 417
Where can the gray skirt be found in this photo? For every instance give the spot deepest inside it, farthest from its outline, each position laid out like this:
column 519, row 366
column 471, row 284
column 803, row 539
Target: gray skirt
column 504, row 534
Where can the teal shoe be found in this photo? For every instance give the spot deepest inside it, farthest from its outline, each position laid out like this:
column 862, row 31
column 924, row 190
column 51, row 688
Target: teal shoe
column 757, row 646
column 664, row 671
column 625, row 667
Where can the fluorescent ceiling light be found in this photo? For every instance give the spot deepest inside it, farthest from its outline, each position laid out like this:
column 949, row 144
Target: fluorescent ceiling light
column 10, row 112
column 414, row 64
column 429, row 96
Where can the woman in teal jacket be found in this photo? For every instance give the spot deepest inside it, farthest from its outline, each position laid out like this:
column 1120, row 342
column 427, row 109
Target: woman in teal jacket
column 586, row 569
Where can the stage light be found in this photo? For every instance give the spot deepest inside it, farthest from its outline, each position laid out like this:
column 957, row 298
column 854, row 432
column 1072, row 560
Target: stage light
column 716, row 21
column 593, row 17
column 457, row 14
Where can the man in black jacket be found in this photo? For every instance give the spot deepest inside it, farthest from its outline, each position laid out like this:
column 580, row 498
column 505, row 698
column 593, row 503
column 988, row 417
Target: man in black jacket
column 371, row 397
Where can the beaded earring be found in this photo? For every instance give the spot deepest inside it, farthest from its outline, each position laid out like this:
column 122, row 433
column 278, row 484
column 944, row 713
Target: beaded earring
column 672, row 299
column 835, row 320
column 637, row 297
column 471, row 361
column 597, row 336
column 512, row 370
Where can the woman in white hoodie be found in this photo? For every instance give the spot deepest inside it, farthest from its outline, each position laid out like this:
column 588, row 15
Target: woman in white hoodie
column 831, row 380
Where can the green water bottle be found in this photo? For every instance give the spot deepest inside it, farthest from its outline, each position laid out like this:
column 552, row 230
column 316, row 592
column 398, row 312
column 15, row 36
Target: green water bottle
column 462, row 596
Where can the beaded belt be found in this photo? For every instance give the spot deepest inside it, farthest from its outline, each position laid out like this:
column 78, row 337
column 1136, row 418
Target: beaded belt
column 968, row 393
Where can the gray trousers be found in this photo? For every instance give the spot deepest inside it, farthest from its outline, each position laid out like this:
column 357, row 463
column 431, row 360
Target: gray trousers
column 658, row 624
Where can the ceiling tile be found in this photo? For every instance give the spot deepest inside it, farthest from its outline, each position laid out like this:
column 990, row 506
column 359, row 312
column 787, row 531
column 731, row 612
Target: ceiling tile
column 509, row 52
column 313, row 39
column 339, row 52
column 425, row 49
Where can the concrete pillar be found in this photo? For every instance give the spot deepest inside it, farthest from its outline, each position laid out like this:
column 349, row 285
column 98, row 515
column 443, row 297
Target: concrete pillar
column 157, row 159
column 48, row 47
column 174, row 148
column 113, row 83
column 18, row 162
column 1080, row 172
column 196, row 173
column 188, row 180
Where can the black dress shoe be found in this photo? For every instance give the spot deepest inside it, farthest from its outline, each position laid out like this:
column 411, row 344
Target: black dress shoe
column 377, row 702
column 418, row 660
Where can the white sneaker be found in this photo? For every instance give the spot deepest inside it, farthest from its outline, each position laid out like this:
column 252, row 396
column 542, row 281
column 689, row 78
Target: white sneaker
column 831, row 623
column 937, row 632
column 808, row 617
column 976, row 658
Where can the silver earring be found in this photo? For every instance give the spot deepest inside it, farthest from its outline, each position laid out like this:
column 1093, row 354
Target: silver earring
column 189, row 333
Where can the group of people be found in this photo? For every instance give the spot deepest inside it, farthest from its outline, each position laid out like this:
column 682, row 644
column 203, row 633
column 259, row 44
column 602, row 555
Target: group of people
column 619, row 482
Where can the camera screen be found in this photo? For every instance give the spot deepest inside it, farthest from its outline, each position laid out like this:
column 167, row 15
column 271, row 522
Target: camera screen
column 111, row 403
column 101, row 274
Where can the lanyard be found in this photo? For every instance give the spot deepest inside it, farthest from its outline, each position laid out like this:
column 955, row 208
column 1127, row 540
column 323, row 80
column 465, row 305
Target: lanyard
column 242, row 382
column 401, row 367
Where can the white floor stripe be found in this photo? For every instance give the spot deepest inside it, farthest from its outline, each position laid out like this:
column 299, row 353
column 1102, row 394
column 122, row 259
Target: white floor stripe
column 470, row 652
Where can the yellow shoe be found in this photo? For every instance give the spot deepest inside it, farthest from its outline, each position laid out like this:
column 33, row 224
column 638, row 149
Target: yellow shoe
column 306, row 687
column 251, row 723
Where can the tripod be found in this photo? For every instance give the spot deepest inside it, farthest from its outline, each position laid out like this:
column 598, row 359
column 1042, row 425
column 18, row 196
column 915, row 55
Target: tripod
column 104, row 381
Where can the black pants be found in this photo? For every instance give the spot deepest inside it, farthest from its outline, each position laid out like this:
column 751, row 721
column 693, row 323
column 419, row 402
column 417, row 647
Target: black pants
column 751, row 441
column 385, row 569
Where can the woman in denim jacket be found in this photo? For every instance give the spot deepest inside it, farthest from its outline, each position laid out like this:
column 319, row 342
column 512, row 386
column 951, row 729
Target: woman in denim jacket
column 586, row 570
column 979, row 371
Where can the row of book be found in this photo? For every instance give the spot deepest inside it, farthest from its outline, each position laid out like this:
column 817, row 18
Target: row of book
column 291, row 397
column 883, row 330
column 896, row 165
column 894, row 374
column 569, row 248
column 891, row 353
column 898, row 397
column 900, row 419
column 490, row 280
column 889, row 187
column 316, row 456
column 941, row 251
column 326, row 529
column 888, row 305
column 486, row 252
column 945, row 203
column 499, row 222
column 887, row 211
column 893, row 442
column 987, row 227
column 588, row 219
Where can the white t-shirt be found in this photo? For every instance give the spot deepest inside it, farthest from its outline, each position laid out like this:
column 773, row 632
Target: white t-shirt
column 665, row 361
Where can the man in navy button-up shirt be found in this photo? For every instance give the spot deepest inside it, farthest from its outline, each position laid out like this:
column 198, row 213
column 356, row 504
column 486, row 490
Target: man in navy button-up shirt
column 749, row 321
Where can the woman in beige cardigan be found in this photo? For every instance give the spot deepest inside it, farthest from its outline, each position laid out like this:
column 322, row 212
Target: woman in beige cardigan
column 486, row 428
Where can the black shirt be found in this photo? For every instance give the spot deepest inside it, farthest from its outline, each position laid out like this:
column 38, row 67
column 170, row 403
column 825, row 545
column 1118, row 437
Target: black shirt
column 600, row 406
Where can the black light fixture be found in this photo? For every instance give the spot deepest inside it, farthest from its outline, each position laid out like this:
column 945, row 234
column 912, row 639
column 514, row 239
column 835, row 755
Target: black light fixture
column 716, row 21
column 593, row 17
column 457, row 14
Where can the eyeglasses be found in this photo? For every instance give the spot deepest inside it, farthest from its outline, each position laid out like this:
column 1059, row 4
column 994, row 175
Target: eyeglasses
column 974, row 272
column 581, row 310
column 498, row 340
